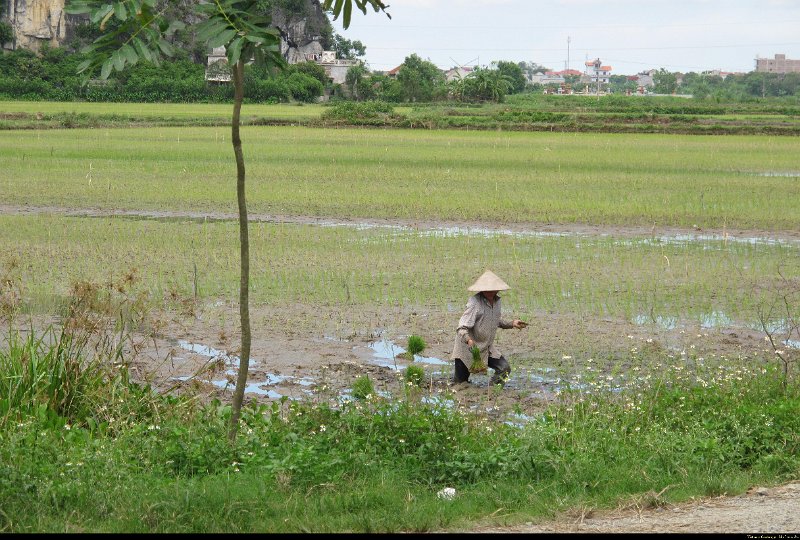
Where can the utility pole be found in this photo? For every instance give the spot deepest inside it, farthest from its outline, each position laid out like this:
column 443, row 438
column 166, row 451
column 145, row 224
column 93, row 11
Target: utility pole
column 568, row 40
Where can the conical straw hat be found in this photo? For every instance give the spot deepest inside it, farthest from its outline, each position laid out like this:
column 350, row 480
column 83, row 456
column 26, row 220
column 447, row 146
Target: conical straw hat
column 489, row 282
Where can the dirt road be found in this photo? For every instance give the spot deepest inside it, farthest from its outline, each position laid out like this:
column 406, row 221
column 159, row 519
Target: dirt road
column 759, row 511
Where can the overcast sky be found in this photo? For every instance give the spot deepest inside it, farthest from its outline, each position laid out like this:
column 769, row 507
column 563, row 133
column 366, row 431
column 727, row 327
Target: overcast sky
column 630, row 36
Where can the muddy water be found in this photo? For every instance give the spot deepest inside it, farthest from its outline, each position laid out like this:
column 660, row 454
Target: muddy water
column 227, row 381
column 383, row 355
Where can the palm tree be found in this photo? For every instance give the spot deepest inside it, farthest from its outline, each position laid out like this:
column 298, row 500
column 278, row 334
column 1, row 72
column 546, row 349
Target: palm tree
column 487, row 85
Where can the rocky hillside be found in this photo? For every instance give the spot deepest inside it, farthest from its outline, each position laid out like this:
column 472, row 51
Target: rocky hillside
column 304, row 27
column 36, row 22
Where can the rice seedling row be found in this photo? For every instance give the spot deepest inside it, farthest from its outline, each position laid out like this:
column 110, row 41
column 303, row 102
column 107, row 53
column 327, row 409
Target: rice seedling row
column 608, row 179
column 654, row 280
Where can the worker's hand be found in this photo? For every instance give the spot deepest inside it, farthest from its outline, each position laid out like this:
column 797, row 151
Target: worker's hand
column 470, row 343
column 518, row 324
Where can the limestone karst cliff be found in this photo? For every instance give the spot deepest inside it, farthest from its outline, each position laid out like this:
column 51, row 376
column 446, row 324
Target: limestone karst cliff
column 36, row 22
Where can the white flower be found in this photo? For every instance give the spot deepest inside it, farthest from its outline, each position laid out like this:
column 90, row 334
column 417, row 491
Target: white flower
column 322, row 428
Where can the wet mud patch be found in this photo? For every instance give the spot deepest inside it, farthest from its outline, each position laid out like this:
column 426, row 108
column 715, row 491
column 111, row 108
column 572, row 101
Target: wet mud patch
column 315, row 353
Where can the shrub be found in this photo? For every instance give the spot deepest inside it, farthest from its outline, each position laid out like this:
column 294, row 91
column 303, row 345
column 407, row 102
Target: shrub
column 6, row 33
column 304, row 87
column 353, row 112
column 311, row 69
column 268, row 90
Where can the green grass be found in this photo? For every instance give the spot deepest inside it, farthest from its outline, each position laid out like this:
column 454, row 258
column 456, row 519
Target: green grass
column 160, row 111
column 156, row 464
column 528, row 112
column 607, row 179
column 344, row 266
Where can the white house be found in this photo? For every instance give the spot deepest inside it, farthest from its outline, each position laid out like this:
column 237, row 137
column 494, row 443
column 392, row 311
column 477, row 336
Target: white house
column 335, row 68
column 597, row 74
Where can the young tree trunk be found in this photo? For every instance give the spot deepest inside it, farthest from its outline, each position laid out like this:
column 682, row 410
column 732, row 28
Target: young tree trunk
column 244, row 252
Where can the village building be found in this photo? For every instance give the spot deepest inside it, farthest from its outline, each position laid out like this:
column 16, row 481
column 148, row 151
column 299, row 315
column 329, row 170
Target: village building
column 596, row 75
column 335, row 68
column 779, row 64
column 392, row 73
column 217, row 66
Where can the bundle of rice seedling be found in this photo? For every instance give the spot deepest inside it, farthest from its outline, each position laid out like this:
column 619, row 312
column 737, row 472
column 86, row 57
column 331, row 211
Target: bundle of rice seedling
column 477, row 365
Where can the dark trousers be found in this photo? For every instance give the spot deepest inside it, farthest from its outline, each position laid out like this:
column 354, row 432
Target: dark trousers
column 501, row 368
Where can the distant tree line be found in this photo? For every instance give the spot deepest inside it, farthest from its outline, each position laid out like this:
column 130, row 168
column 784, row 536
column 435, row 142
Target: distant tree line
column 51, row 75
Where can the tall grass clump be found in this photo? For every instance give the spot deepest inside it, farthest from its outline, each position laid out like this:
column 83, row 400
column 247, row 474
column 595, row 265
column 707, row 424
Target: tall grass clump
column 414, row 374
column 48, row 373
column 363, row 387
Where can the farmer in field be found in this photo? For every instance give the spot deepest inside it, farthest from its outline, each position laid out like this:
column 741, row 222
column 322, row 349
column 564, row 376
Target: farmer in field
column 474, row 344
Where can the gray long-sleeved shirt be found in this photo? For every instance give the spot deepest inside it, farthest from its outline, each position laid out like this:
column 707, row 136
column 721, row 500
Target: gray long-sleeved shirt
column 480, row 322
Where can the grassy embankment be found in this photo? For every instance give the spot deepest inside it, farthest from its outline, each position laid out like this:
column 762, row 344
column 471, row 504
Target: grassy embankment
column 525, row 112
column 82, row 450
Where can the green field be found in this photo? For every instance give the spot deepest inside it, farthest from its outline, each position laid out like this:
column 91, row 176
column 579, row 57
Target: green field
column 600, row 234
column 717, row 182
column 645, row 279
column 216, row 111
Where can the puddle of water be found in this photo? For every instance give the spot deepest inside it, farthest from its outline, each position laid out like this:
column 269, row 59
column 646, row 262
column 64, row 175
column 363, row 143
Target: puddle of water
column 385, row 351
column 277, row 379
column 212, row 353
column 447, row 232
column 784, row 174
column 486, row 232
column 430, row 360
column 715, row 319
column 668, row 323
column 438, row 400
column 773, row 327
column 519, row 420
column 677, row 239
column 202, row 349
column 336, row 339
column 252, row 387
column 683, row 239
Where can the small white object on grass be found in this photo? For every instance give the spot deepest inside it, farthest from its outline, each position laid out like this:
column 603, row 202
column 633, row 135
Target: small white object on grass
column 447, row 493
